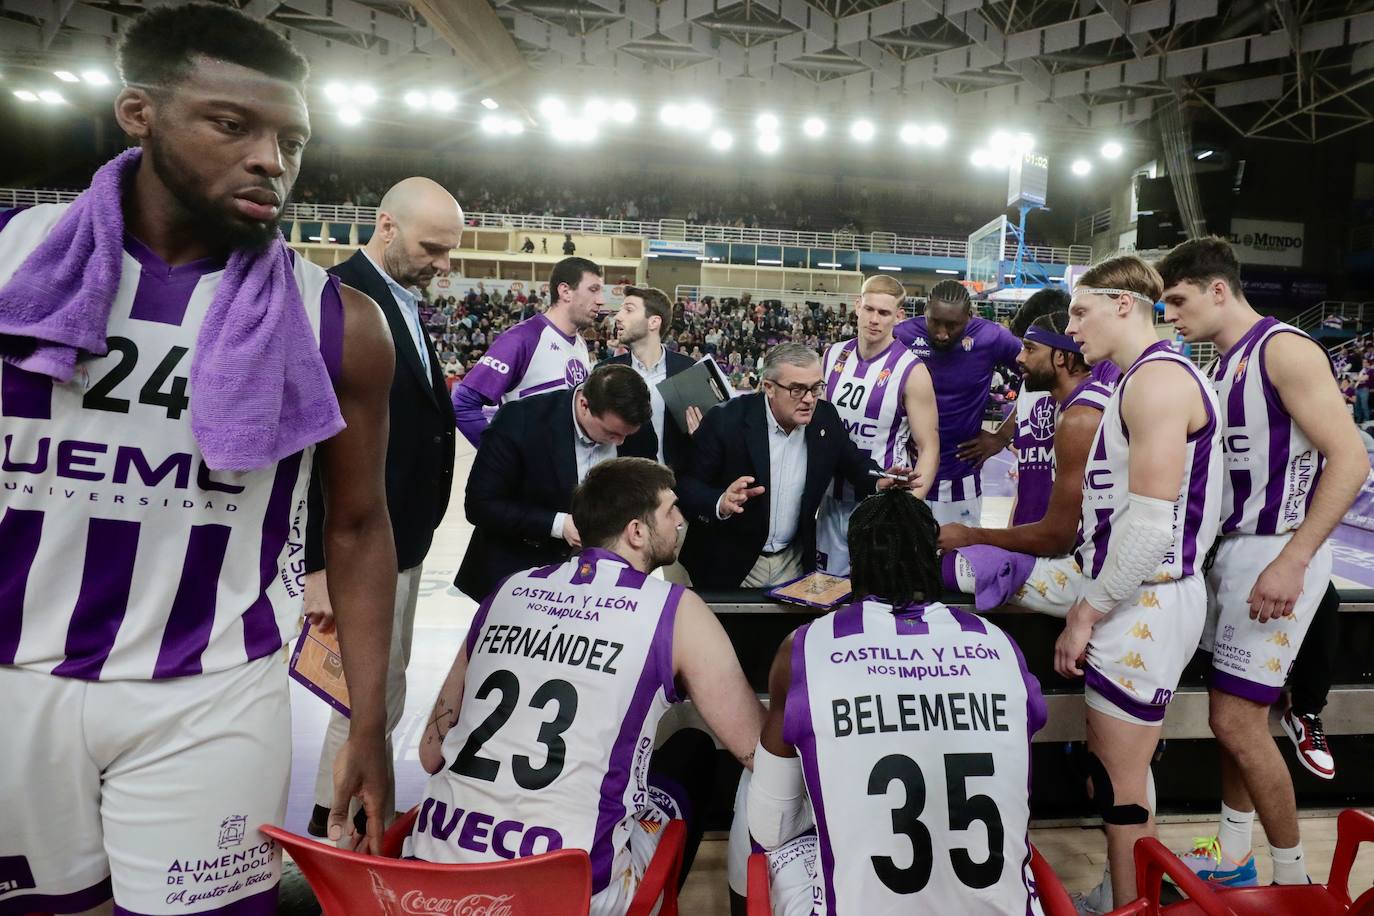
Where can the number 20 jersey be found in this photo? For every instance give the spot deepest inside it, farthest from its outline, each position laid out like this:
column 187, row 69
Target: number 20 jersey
column 914, row 734
column 570, row 668
column 869, row 396
column 122, row 556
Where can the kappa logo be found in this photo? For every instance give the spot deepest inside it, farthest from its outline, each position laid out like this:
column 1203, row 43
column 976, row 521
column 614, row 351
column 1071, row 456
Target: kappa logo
column 1273, row 665
column 1041, row 587
column 1132, row 660
column 1141, row 630
column 1127, row 683
column 1148, row 599
column 1060, row 579
column 1280, row 639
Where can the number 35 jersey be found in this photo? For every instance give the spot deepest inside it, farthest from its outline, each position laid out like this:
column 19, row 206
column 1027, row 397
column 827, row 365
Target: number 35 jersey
column 122, row 555
column 570, row 668
column 914, row 733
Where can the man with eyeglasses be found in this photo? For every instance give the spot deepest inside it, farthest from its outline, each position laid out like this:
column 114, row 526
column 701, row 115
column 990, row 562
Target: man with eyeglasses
column 760, row 465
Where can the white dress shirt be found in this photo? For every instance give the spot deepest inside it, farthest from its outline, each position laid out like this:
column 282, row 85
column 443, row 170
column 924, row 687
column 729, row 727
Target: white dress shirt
column 589, row 454
column 786, row 481
column 652, row 377
column 409, row 304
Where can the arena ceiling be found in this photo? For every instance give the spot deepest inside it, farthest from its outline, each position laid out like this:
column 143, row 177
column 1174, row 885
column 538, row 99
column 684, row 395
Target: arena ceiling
column 1281, row 69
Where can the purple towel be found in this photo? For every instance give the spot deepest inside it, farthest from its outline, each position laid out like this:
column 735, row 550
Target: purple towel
column 260, row 390
column 997, row 574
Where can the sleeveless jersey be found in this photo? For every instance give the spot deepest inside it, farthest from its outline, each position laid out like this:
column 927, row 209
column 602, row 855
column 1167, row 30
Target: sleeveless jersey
column 570, row 667
column 914, row 734
column 1272, row 468
column 1106, row 483
column 530, row 358
column 868, row 395
column 122, row 556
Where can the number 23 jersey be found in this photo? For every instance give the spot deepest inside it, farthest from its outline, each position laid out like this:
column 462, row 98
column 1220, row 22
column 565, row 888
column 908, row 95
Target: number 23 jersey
column 570, row 668
column 914, row 734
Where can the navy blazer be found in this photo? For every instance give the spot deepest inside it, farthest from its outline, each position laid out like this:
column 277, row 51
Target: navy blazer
column 676, row 443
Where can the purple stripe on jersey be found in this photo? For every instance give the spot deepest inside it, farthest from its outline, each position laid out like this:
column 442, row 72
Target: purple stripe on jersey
column 1280, row 439
column 969, row 623
column 5, row 218
column 543, row 386
column 1120, row 698
column 1037, row 710
column 193, row 609
column 260, row 904
column 106, row 579
column 663, row 648
column 838, row 368
column 162, row 295
column 543, row 572
column 332, row 328
column 797, row 730
column 260, row 634
column 875, row 401
column 911, row 620
column 796, row 717
column 1197, row 488
column 1239, row 477
column 479, row 619
column 956, row 489
column 75, row 902
column 24, row 395
column 1102, row 532
column 20, row 530
column 630, row 578
column 1236, row 686
column 849, row 621
column 612, row 806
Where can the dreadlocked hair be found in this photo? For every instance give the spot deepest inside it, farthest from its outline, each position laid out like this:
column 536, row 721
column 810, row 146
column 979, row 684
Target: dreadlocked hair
column 892, row 549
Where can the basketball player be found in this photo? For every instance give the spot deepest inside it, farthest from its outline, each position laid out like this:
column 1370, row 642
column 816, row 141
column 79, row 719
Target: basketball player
column 884, row 397
column 1151, row 492
column 144, row 594
column 543, row 733
column 544, row 352
column 892, row 772
column 1294, row 464
column 1045, row 577
column 960, row 350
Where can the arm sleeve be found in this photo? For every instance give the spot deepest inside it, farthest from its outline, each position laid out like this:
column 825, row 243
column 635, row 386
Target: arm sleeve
column 778, row 808
column 1145, row 533
column 467, row 410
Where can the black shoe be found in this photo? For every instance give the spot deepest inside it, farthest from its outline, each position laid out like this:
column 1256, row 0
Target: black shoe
column 319, row 822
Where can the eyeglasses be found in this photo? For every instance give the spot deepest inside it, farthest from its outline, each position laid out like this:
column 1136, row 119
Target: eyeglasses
column 800, row 391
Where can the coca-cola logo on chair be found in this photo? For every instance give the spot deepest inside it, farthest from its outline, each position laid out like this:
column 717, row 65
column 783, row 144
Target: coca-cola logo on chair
column 418, row 904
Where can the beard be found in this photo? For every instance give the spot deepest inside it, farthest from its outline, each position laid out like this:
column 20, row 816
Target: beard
column 1038, row 381
column 226, row 229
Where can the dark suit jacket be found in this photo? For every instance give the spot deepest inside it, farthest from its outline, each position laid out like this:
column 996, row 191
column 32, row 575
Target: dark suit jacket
column 419, row 452
column 732, row 442
column 524, row 474
column 675, row 441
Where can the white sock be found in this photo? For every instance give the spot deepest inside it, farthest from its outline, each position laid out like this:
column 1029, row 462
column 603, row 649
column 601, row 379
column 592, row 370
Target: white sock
column 963, row 574
column 1289, row 867
column 1236, row 833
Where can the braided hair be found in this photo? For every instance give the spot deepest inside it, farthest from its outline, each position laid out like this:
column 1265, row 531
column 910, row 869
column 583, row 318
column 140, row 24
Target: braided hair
column 1042, row 302
column 1058, row 323
column 892, row 549
column 951, row 291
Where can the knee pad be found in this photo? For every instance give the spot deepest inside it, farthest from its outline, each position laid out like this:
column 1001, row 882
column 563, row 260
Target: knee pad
column 1104, row 798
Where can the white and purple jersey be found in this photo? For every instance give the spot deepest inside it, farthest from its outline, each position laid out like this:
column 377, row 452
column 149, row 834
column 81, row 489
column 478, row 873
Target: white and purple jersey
column 1106, row 482
column 869, row 395
column 122, row 555
column 914, row 733
column 530, row 358
column 570, row 667
column 1271, row 466
column 962, row 377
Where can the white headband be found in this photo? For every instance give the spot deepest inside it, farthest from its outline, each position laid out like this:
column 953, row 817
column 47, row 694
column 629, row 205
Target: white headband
column 1098, row 291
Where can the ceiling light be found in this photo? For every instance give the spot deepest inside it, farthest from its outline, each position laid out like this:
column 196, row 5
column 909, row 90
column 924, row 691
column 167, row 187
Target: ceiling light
column 493, row 124
column 1023, row 142
column 66, row 76
column 721, row 140
column 827, row 263
column 490, row 104
column 696, row 116
column 514, row 127
column 862, row 131
column 95, row 78
column 671, row 115
column 552, row 108
column 771, row 261
column 936, row 135
column 1081, row 167
column 979, row 158
column 336, row 93
column 364, row 95
column 51, row 96
column 595, row 111
column 350, row 116
column 415, row 100
column 910, row 134
column 947, row 273
column 895, row 270
column 1000, row 139
column 442, row 100
column 769, row 143
column 768, row 123
column 813, row 128
column 1204, row 154
column 1111, row 150
column 623, row 112
column 25, row 95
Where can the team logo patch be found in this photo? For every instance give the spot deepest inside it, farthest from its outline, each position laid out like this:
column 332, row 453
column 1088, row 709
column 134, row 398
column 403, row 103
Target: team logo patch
column 232, row 831
column 586, row 570
column 1240, row 368
column 967, row 344
column 882, row 378
column 1042, row 419
column 15, row 874
column 1132, row 660
column 576, row 373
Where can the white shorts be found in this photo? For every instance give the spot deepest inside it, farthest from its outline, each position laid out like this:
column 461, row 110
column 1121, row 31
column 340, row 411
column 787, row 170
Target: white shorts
column 1137, row 653
column 963, row 511
column 1052, row 587
column 1252, row 659
column 645, row 833
column 152, row 790
column 794, row 885
column 832, row 535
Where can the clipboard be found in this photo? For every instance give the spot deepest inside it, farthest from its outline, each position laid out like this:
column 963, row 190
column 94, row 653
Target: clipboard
column 818, row 590
column 702, row 386
column 318, row 667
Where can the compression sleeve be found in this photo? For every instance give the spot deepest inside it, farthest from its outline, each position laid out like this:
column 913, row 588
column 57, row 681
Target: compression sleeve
column 467, row 409
column 1143, row 536
column 778, row 808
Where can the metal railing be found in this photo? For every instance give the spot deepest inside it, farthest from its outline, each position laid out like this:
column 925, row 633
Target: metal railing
column 879, row 242
column 1312, row 318
column 1089, row 226
column 833, row 301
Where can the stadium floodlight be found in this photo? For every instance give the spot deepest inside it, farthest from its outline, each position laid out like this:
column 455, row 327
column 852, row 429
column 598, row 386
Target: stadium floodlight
column 768, row 123
column 980, row 158
column 910, row 134
column 66, row 76
column 697, row 116
column 721, row 140
column 364, row 95
column 442, row 100
column 595, row 110
column 936, row 135
column 1024, row 142
column 24, row 95
column 51, row 97
column 514, row 127
column 769, row 143
column 623, row 112
column 813, row 128
column 416, row 100
column 1111, row 150
column 350, row 116
column 671, row 115
column 494, row 125
column 336, row 93
column 862, row 130
column 552, row 108
column 490, row 104
column 1081, row 167
column 1000, row 139
column 95, row 78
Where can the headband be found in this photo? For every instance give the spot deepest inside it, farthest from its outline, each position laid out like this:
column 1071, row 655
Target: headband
column 1096, row 291
column 1053, row 339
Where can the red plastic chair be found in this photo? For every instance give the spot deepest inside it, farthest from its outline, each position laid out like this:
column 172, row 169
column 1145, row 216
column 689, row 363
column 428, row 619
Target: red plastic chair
column 758, row 902
column 1153, row 860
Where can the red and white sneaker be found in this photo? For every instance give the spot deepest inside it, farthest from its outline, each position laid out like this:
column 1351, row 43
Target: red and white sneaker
column 1310, row 740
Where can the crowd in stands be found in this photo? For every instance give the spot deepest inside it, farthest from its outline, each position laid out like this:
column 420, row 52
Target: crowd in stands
column 1355, row 370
